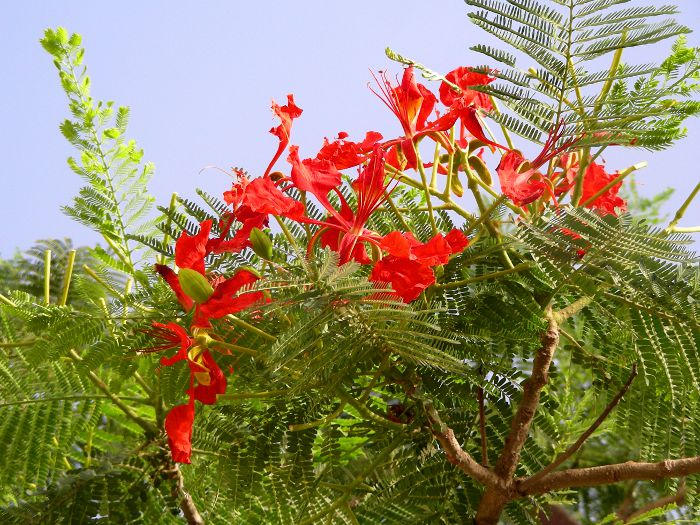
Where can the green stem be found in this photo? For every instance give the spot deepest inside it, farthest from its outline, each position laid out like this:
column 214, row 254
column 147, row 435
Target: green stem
column 47, row 276
column 252, row 395
column 287, row 233
column 18, row 344
column 436, row 163
column 72, row 398
column 681, row 211
column 485, row 215
column 426, row 188
column 213, row 343
column 67, row 277
column 240, row 322
column 456, row 284
column 330, row 417
column 504, row 130
column 398, row 213
column 128, row 412
column 166, row 236
column 447, row 194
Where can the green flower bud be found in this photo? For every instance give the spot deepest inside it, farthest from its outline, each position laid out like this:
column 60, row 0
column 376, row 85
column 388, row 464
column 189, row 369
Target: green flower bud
column 262, row 245
column 195, row 285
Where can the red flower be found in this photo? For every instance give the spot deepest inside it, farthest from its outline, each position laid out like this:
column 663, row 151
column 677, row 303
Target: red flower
column 407, row 278
column 595, row 179
column 317, row 176
column 190, row 250
column 286, row 114
column 408, row 268
column 520, row 182
column 206, row 382
column 520, row 179
column 413, row 103
column 178, row 427
column 464, row 78
column 224, row 300
column 345, row 154
column 345, row 229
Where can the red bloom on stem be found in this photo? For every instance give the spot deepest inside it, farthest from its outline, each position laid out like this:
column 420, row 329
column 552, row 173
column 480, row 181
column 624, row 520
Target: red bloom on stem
column 595, row 179
column 408, row 268
column 520, row 179
column 407, row 278
column 178, row 427
column 207, row 381
column 345, row 229
column 226, row 300
column 464, row 78
column 346, row 154
column 286, row 114
column 316, row 176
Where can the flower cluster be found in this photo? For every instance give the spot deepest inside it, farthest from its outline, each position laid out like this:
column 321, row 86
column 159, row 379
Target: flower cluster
column 398, row 259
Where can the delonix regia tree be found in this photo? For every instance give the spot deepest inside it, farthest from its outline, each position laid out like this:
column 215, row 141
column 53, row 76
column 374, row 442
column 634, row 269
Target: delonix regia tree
column 362, row 336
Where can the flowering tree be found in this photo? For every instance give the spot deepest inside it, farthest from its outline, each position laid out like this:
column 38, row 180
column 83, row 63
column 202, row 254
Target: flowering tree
column 361, row 336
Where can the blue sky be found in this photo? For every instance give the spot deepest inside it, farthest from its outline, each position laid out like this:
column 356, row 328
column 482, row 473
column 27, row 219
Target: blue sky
column 199, row 77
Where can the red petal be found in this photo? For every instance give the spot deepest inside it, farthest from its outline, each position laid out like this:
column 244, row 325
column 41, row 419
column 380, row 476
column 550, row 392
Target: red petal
column 262, row 196
column 224, row 300
column 433, row 253
column 457, row 240
column 407, row 278
column 178, row 426
column 464, row 78
column 520, row 187
column 170, row 277
column 609, row 202
column 286, row 114
column 190, row 250
column 317, row 176
column 217, row 382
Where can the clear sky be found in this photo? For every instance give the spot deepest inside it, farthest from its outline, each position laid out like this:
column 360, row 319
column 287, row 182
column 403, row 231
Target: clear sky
column 199, row 77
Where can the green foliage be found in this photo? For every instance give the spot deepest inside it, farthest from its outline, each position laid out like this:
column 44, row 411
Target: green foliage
column 325, row 418
column 642, row 105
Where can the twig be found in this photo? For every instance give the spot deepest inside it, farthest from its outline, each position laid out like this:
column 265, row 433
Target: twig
column 67, row 277
column 187, row 505
column 454, row 451
column 47, row 276
column 146, row 425
column 561, row 458
column 678, row 497
column 456, row 284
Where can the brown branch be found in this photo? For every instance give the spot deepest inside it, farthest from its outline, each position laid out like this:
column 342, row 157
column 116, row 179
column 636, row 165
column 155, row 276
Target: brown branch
column 455, row 453
column 581, row 440
column 607, row 474
column 496, row 497
column 187, row 505
column 520, row 426
column 678, row 497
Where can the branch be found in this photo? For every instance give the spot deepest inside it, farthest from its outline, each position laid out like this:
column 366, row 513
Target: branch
column 580, row 441
column 187, row 503
column 677, row 498
column 496, row 497
column 522, row 420
column 146, row 425
column 454, row 451
column 604, row 475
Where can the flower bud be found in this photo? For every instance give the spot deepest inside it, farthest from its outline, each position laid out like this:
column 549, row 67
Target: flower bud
column 261, row 244
column 195, row 285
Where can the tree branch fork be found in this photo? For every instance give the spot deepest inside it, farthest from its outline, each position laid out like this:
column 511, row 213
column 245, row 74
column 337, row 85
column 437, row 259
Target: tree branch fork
column 501, row 485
